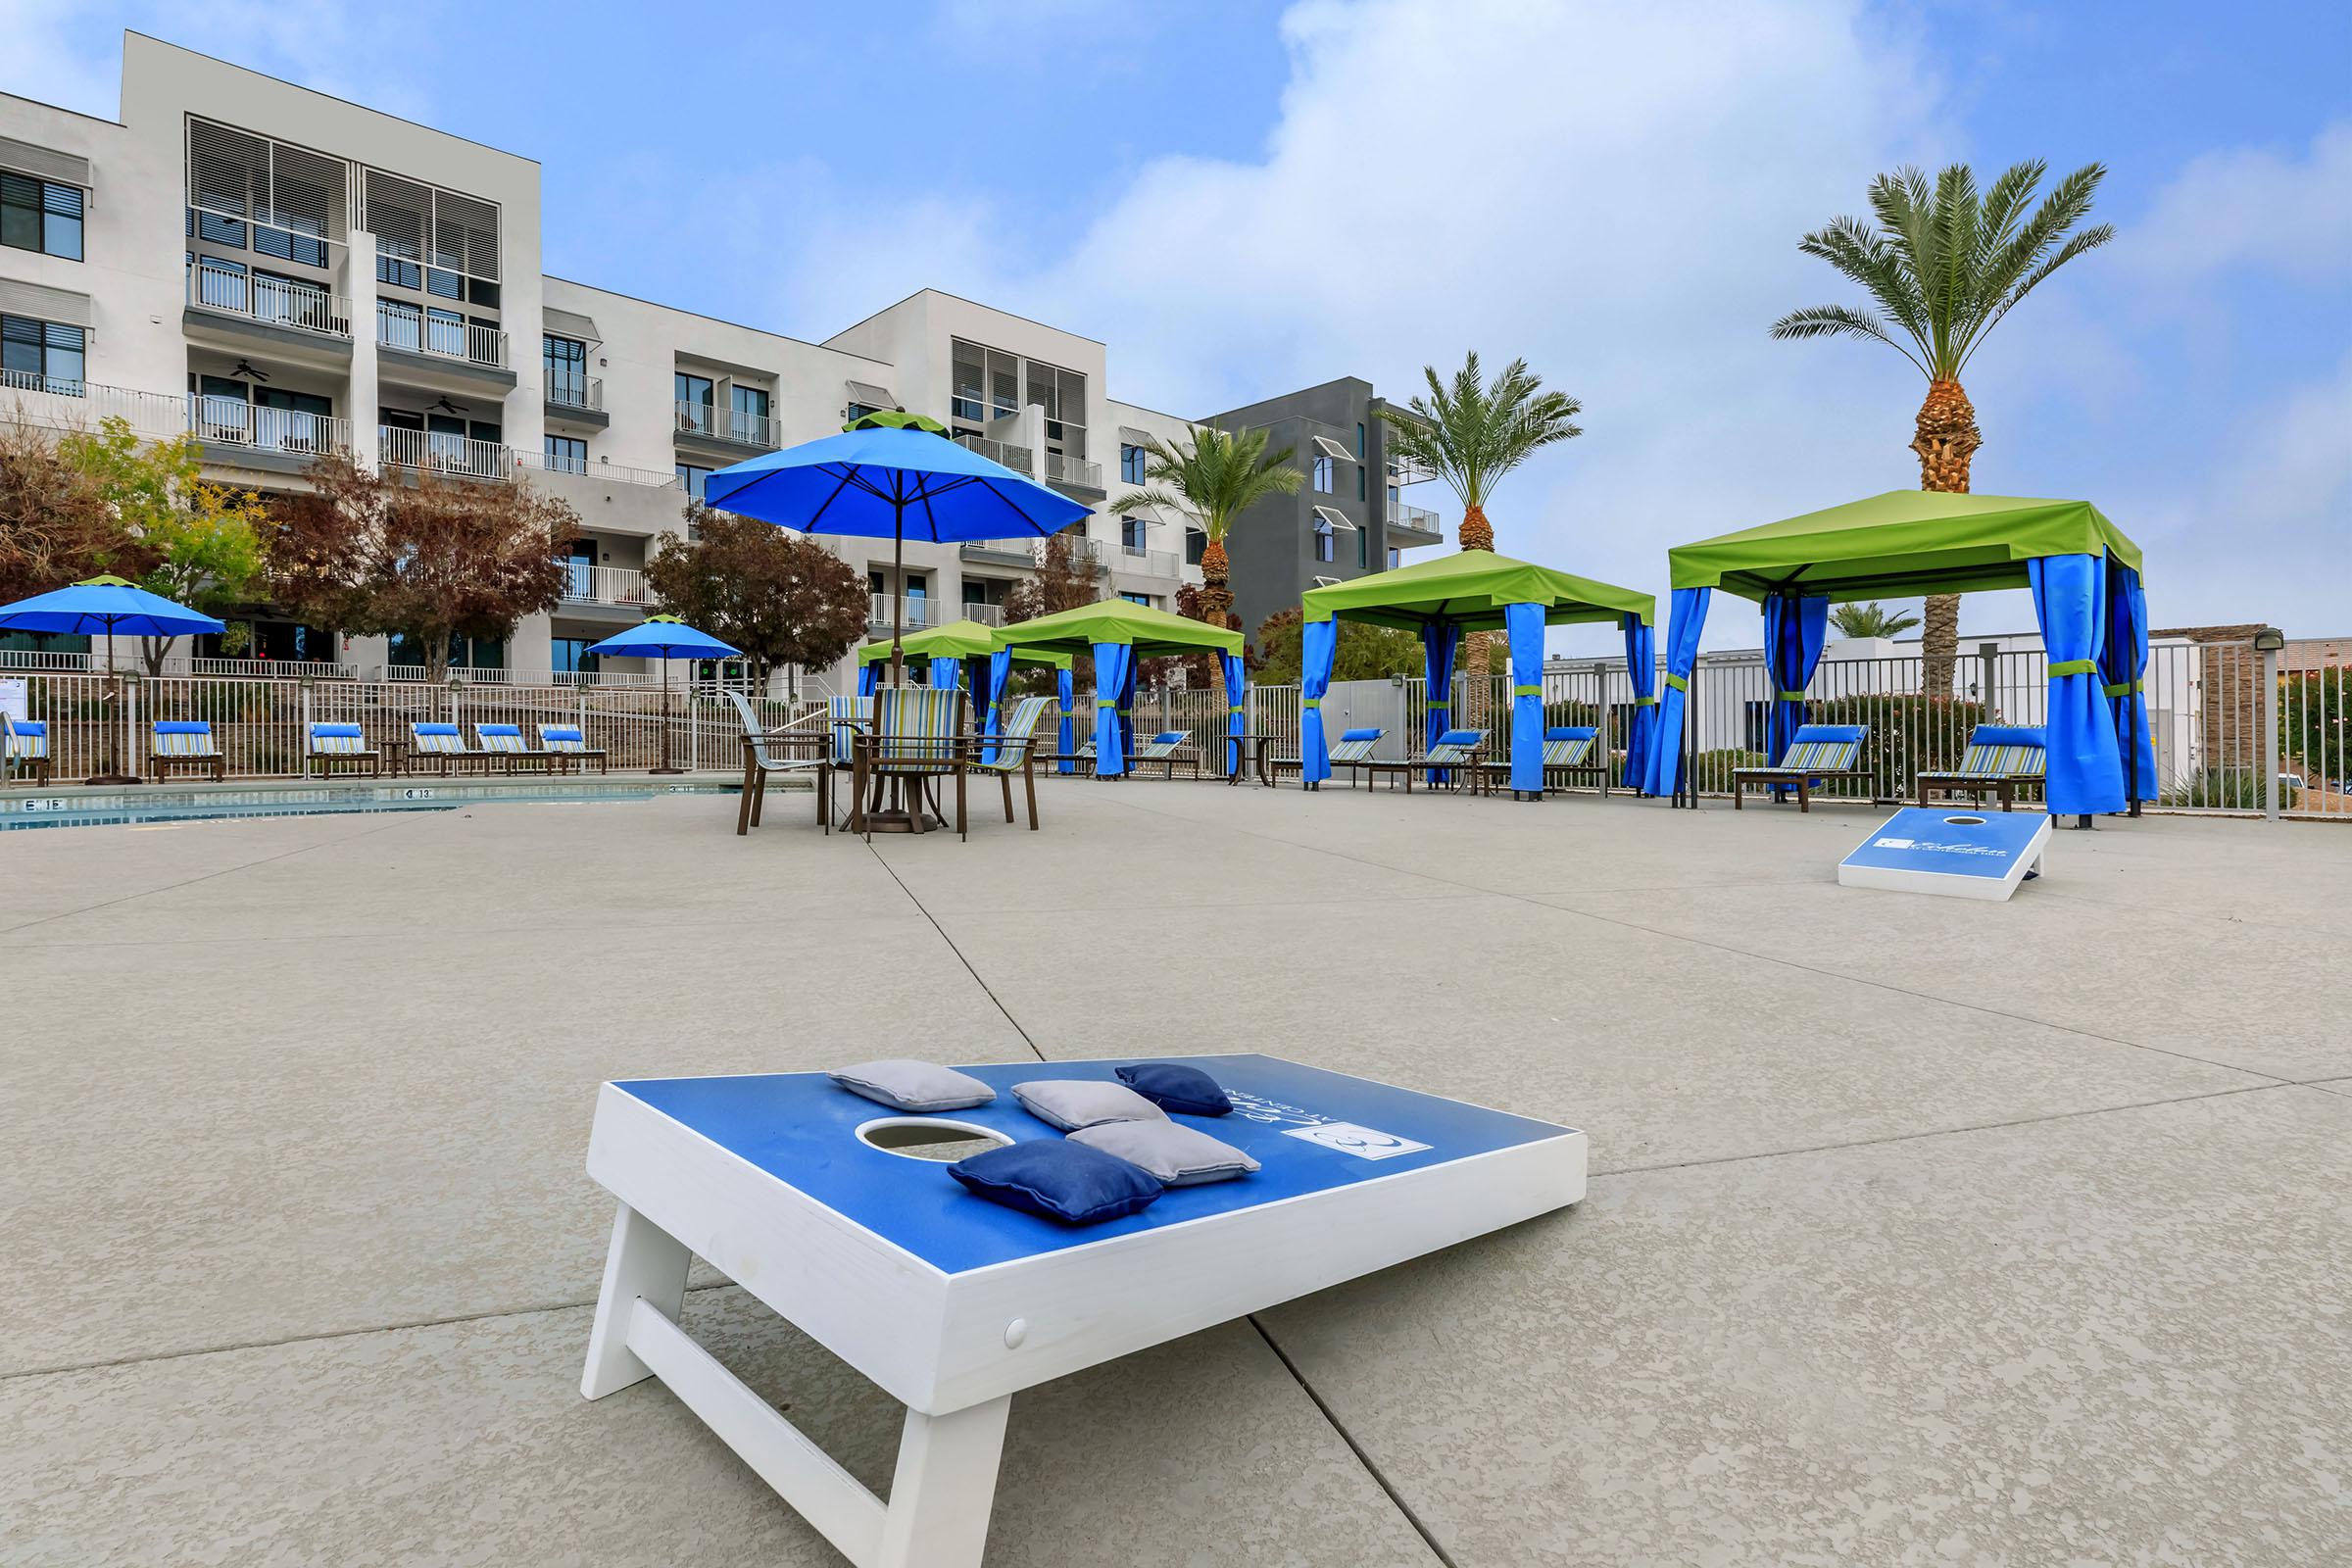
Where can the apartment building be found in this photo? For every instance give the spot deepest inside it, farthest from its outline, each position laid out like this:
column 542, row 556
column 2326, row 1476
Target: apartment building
column 286, row 274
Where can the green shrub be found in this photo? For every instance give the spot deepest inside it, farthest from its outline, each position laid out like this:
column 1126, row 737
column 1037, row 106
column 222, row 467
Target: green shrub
column 1712, row 770
column 2229, row 789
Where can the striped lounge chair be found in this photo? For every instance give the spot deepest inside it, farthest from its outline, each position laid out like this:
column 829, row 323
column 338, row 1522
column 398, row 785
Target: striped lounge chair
column 2001, row 758
column 1816, row 752
column 1567, row 756
column 766, row 752
column 24, row 748
column 188, row 744
column 570, row 749
column 916, row 737
column 1016, row 752
column 330, row 746
column 1171, row 747
column 1460, row 753
column 504, row 742
column 1353, row 751
column 441, row 748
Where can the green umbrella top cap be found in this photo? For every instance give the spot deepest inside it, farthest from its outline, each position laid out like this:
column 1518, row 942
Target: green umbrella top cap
column 104, row 582
column 895, row 420
column 674, row 620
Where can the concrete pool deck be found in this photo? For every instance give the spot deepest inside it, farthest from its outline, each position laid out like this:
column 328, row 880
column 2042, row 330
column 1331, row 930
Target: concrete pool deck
column 1920, row 1230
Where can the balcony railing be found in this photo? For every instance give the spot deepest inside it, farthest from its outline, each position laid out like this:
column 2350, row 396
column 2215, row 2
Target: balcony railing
column 575, row 392
column 37, row 659
column 1419, row 518
column 401, row 327
column 271, row 668
column 597, row 469
column 1018, row 459
column 1063, row 469
column 917, row 611
column 983, row 615
column 1147, row 562
column 54, row 403
column 430, row 451
column 715, row 423
column 234, row 422
column 586, row 584
column 300, row 306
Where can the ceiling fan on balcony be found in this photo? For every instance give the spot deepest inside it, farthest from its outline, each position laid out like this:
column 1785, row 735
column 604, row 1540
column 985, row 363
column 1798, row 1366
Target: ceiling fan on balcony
column 245, row 370
column 444, row 405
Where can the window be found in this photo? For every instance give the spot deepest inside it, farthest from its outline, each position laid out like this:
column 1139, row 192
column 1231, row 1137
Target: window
column 1132, row 534
column 1062, row 393
column 397, row 272
column 1325, row 546
column 569, row 655
column 1137, row 598
column 40, row 355
column 444, row 333
column 565, row 363
column 294, row 426
column 477, row 292
column 36, row 215
column 400, row 325
column 1131, row 464
column 690, row 480
column 1360, row 481
column 986, row 383
column 1363, row 549
column 1394, row 557
column 696, row 395
column 567, row 454
column 1322, row 477
column 288, row 246
column 1195, row 545
column 1391, row 497
column 751, row 415
column 1359, row 441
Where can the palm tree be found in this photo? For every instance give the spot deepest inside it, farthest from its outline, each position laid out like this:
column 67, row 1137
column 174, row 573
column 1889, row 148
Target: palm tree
column 1873, row 620
column 1943, row 266
column 1470, row 435
column 1216, row 475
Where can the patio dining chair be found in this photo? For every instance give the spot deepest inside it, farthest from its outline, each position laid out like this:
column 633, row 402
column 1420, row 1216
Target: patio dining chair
column 24, row 748
column 188, row 744
column 2000, row 760
column 1171, row 747
column 328, row 746
column 1816, row 754
column 763, row 753
column 570, row 749
column 913, row 740
column 504, row 742
column 1015, row 743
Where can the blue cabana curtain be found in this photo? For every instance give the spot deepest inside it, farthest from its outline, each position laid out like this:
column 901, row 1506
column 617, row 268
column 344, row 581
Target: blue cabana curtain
column 1318, row 645
column 1114, row 682
column 1236, row 686
column 1127, row 680
column 869, row 676
column 1683, row 626
column 1641, row 669
column 1067, row 689
column 2124, row 668
column 946, row 674
column 2086, row 771
column 1000, row 670
column 1524, row 624
column 1794, row 629
column 1440, row 642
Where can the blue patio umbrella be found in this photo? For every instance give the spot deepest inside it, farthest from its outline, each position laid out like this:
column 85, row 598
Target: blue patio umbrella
column 892, row 477
column 664, row 637
column 106, row 605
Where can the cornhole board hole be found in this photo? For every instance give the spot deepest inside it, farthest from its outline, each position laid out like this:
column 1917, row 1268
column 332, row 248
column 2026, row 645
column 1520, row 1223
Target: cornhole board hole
column 1960, row 855
column 952, row 1303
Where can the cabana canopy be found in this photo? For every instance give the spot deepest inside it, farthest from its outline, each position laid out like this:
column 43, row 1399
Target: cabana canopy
column 2081, row 569
column 1475, row 590
column 1902, row 543
column 1117, row 633
column 959, row 639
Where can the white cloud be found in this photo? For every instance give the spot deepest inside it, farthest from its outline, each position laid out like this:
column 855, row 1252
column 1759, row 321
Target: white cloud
column 2252, row 208
column 44, row 62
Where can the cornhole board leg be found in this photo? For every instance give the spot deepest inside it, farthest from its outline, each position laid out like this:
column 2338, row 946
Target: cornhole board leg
column 945, row 1486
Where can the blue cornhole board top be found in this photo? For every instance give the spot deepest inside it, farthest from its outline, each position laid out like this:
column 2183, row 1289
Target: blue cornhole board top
column 801, row 1128
column 1958, row 852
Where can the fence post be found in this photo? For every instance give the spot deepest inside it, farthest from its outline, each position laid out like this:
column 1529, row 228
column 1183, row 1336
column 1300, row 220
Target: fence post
column 2267, row 642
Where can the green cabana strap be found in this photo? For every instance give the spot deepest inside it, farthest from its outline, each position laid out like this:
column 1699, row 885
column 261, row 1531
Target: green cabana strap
column 1106, row 701
column 2075, row 666
column 1648, row 702
column 1677, row 682
column 1310, row 702
column 1441, row 701
column 1231, row 711
column 1527, row 691
column 2126, row 688
column 1793, row 697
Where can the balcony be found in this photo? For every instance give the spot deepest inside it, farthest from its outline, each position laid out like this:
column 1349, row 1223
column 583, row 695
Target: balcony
column 917, row 611
column 983, row 615
column 597, row 471
column 217, row 289
column 452, row 455
column 706, row 421
column 1018, row 459
column 234, row 431
column 586, row 584
column 577, row 398
column 1415, row 520
column 1075, row 472
column 440, row 336
column 1137, row 560
column 51, row 403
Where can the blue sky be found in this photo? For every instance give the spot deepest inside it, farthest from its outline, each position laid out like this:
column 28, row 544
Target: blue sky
column 1240, row 198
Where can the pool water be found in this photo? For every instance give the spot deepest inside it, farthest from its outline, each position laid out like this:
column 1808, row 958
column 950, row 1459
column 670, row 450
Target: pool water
column 116, row 807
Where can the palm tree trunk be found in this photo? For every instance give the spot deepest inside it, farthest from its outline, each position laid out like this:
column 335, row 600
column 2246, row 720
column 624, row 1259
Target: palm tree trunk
column 1217, row 599
column 1478, row 649
column 1946, row 438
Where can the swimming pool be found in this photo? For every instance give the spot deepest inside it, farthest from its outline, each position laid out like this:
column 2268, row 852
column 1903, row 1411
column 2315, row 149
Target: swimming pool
column 131, row 807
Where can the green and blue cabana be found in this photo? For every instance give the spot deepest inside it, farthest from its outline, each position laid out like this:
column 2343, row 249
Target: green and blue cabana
column 1475, row 590
column 943, row 652
column 2084, row 573
column 1120, row 634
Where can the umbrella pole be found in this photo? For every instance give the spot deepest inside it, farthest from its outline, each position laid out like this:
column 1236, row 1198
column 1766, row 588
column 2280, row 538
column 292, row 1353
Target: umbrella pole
column 667, row 713
column 116, row 718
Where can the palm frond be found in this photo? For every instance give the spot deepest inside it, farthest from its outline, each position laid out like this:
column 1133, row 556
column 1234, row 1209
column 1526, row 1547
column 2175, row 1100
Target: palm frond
column 1840, row 320
column 1470, row 433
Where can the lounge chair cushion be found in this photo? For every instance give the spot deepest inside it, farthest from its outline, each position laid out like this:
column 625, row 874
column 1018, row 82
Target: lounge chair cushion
column 1060, row 1180
column 907, row 1084
column 1171, row 1086
column 1070, row 1103
column 1179, row 1155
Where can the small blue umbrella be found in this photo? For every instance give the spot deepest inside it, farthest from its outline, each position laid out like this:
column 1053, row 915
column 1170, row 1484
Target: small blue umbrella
column 664, row 637
column 895, row 478
column 106, row 605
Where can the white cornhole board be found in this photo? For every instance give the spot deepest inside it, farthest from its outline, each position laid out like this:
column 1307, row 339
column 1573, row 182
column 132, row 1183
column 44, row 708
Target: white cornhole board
column 1960, row 855
column 952, row 1303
